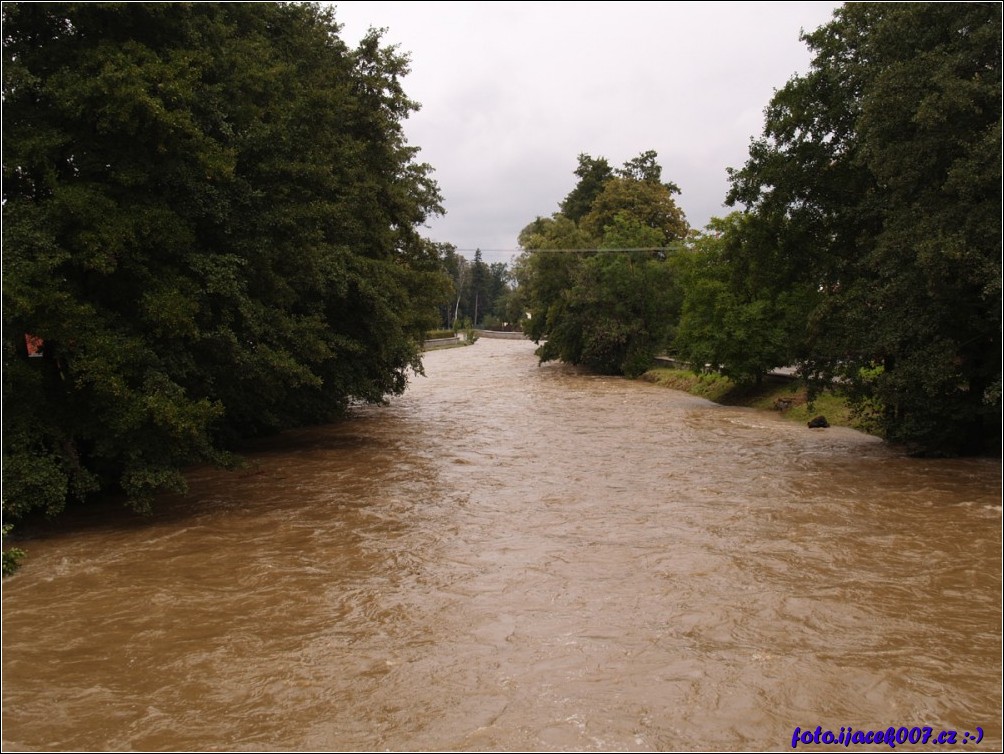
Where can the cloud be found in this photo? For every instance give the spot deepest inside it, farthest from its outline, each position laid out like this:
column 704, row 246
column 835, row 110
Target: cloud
column 511, row 93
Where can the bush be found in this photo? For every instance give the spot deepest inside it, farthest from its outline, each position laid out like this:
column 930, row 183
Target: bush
column 12, row 556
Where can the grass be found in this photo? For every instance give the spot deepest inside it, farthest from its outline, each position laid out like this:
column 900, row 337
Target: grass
column 433, row 334
column 787, row 396
column 441, row 346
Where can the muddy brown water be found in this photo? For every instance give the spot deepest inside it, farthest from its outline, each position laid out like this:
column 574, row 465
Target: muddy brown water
column 518, row 557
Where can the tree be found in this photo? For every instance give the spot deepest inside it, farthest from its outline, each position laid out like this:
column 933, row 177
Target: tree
column 593, row 175
column 883, row 165
column 544, row 277
column 210, row 215
column 645, row 168
column 740, row 315
column 499, row 312
column 649, row 202
column 479, row 287
column 621, row 307
column 453, row 267
column 591, row 299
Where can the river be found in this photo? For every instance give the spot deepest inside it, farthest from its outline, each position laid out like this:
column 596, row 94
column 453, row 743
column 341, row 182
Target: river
column 513, row 556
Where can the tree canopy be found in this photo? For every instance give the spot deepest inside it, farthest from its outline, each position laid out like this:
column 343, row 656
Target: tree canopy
column 481, row 293
column 210, row 216
column 867, row 252
column 593, row 174
column 877, row 185
column 740, row 317
column 593, row 297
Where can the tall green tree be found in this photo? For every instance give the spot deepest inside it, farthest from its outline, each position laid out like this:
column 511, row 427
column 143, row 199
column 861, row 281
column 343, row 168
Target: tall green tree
column 544, row 277
column 621, row 306
column 210, row 217
column 645, row 168
column 500, row 311
column 593, row 175
column 479, row 287
column 648, row 202
column 453, row 305
column 593, row 299
column 741, row 314
column 882, row 165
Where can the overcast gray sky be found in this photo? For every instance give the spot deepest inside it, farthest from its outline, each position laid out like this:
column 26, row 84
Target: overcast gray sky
column 512, row 92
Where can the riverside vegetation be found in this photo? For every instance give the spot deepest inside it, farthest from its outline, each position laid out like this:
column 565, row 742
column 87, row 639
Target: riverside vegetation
column 866, row 253
column 211, row 224
column 210, row 216
column 792, row 398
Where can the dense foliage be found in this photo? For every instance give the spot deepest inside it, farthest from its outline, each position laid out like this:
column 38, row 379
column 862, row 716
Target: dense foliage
column 595, row 278
column 210, row 218
column 874, row 201
column 742, row 315
column 481, row 293
column 868, row 252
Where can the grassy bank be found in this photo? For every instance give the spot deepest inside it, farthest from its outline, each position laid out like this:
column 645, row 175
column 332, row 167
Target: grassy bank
column 441, row 346
column 786, row 396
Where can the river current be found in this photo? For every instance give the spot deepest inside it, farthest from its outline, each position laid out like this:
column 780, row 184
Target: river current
column 512, row 556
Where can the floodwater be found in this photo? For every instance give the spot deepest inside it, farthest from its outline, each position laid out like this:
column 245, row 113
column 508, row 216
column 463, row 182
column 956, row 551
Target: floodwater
column 517, row 557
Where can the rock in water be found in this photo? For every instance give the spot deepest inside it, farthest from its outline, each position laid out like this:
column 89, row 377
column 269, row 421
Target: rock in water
column 819, row 423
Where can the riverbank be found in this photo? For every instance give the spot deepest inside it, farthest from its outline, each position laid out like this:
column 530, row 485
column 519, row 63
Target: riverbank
column 783, row 394
column 441, row 343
